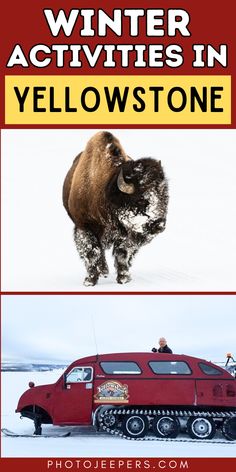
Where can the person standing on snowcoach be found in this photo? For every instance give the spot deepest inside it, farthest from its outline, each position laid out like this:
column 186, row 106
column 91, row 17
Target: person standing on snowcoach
column 163, row 347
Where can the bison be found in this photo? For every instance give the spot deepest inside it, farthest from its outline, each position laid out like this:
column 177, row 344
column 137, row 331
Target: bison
column 113, row 201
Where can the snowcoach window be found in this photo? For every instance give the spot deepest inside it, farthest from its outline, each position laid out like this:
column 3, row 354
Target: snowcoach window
column 120, row 368
column 167, row 367
column 80, row 374
column 209, row 369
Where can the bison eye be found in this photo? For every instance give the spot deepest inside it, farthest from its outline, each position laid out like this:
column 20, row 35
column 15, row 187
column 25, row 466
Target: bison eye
column 114, row 150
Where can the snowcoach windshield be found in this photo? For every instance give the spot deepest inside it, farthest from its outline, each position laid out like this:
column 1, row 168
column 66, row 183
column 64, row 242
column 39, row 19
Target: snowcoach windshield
column 80, row 374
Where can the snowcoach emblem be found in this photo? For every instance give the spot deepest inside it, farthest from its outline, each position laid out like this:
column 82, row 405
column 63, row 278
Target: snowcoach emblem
column 112, row 391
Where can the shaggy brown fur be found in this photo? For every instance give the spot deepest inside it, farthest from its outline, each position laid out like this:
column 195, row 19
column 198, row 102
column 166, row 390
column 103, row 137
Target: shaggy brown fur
column 85, row 184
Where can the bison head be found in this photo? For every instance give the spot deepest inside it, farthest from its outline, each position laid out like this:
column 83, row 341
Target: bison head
column 134, row 179
column 139, row 194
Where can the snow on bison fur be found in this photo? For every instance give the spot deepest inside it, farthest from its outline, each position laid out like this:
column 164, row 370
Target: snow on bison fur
column 113, row 201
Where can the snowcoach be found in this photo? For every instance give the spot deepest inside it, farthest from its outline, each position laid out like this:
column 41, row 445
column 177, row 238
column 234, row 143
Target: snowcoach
column 138, row 394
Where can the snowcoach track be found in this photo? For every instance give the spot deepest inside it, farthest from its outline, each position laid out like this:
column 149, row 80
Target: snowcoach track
column 119, row 413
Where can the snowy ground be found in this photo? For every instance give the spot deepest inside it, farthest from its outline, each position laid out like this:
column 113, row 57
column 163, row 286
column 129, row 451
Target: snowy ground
column 84, row 442
column 195, row 253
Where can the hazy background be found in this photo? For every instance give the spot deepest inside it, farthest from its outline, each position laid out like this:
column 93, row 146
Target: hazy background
column 64, row 328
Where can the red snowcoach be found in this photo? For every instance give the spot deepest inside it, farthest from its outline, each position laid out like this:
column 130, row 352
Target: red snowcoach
column 138, row 394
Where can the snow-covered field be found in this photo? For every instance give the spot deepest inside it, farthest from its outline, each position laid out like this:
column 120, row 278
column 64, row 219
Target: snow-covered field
column 196, row 252
column 83, row 442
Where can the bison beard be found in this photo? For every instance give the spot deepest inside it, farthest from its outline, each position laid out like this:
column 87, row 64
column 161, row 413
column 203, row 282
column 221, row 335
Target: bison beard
column 113, row 201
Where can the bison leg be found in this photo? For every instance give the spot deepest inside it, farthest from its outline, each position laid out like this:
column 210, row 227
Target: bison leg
column 103, row 267
column 131, row 256
column 123, row 252
column 90, row 251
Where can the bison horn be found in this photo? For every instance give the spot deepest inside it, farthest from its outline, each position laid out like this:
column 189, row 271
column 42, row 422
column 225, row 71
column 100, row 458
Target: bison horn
column 122, row 185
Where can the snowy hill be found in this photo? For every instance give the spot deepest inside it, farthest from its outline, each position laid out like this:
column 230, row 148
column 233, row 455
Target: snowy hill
column 29, row 367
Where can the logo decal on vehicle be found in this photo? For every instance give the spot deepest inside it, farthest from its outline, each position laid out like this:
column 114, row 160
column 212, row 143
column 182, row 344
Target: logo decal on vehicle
column 111, row 391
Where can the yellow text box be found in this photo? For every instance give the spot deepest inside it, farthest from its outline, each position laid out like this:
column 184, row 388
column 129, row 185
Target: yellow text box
column 126, row 100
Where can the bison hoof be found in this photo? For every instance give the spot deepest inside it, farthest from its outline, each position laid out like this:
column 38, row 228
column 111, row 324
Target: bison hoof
column 123, row 278
column 88, row 281
column 104, row 271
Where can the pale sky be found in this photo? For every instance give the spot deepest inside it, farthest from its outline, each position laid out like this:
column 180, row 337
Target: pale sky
column 65, row 328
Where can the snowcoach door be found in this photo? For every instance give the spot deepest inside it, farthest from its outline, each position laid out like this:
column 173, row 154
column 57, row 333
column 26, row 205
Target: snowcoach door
column 73, row 399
